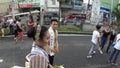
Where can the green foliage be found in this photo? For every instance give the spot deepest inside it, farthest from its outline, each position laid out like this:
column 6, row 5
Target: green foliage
column 69, row 29
column 60, row 66
column 116, row 12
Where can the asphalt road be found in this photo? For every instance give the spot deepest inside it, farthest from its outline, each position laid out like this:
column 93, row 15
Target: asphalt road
column 73, row 52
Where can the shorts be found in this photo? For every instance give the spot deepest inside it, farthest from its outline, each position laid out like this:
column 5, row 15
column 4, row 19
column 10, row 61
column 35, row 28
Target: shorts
column 20, row 34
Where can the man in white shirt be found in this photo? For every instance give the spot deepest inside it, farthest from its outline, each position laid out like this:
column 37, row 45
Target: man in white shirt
column 53, row 40
column 11, row 24
column 95, row 41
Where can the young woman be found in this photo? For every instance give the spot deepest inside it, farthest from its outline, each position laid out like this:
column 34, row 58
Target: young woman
column 38, row 58
column 20, row 31
column 105, row 36
column 15, row 29
column 31, row 27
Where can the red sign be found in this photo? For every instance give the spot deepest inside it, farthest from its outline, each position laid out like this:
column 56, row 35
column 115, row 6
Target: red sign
column 25, row 5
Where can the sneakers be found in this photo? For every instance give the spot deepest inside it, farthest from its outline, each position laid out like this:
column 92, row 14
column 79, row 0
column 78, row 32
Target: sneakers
column 94, row 52
column 89, row 56
column 15, row 38
column 109, row 61
column 115, row 64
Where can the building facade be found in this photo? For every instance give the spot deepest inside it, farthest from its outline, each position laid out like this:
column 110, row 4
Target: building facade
column 6, row 6
column 52, row 6
column 71, row 6
column 3, row 5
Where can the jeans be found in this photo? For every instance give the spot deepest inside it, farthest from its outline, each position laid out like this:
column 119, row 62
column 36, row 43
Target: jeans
column 113, row 57
column 92, row 48
column 103, row 41
column 109, row 45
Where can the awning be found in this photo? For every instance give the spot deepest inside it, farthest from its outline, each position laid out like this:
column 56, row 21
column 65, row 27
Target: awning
column 106, row 10
column 25, row 5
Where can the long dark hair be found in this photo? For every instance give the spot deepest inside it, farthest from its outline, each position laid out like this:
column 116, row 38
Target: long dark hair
column 42, row 32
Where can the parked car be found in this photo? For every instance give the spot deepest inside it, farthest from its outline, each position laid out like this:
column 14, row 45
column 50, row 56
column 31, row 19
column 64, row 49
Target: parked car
column 77, row 15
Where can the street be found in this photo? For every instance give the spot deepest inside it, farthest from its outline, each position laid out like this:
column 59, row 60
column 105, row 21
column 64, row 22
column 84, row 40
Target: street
column 73, row 52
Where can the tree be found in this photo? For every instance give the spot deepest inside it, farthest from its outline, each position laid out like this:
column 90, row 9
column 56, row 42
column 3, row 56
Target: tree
column 116, row 13
column 60, row 1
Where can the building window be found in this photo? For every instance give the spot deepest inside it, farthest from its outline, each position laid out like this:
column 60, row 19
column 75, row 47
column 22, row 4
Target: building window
column 53, row 2
column 77, row 2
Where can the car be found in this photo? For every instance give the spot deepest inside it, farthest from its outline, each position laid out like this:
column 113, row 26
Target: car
column 77, row 15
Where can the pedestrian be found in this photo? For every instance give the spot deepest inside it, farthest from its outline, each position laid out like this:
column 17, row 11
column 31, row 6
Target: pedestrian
column 2, row 30
column 31, row 27
column 30, row 16
column 114, row 55
column 53, row 40
column 32, row 31
column 38, row 58
column 105, row 36
column 113, row 34
column 10, row 20
column 20, row 31
column 15, row 29
column 38, row 18
column 95, row 41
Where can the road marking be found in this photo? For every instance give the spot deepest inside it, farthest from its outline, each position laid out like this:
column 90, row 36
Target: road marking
column 17, row 67
column 1, row 60
column 73, row 35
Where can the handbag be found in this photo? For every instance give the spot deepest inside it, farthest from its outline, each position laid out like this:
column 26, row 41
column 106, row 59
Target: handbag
column 113, row 44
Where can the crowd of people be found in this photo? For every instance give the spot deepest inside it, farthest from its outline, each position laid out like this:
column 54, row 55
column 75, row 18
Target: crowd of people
column 99, row 39
column 45, row 41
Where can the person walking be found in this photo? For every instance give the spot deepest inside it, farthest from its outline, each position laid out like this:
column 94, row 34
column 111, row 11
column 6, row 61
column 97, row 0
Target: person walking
column 31, row 27
column 15, row 30
column 95, row 41
column 20, row 31
column 105, row 36
column 54, row 47
column 114, row 55
column 38, row 18
column 113, row 34
column 10, row 20
column 38, row 58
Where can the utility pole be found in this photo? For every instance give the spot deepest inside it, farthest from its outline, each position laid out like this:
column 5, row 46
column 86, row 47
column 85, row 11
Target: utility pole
column 60, row 1
column 111, row 7
column 42, row 7
column 12, row 6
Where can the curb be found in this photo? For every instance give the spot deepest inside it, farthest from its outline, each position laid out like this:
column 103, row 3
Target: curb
column 85, row 33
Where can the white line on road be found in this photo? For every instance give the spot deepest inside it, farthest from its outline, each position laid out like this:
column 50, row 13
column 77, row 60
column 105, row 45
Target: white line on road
column 1, row 60
column 73, row 35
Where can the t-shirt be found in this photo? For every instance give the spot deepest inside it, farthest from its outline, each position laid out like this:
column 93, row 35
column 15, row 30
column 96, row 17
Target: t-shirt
column 117, row 45
column 105, row 34
column 95, row 36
